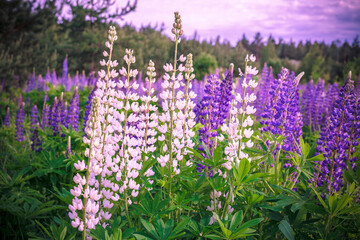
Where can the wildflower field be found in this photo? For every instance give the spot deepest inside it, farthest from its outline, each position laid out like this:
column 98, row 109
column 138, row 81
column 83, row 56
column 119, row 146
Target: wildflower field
column 123, row 154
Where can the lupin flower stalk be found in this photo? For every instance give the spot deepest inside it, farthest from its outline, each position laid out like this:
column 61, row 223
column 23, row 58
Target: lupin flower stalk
column 73, row 113
column 86, row 195
column 54, row 79
column 102, row 146
column 318, row 105
column 263, row 90
column 45, row 114
column 20, row 101
column 88, row 106
column 68, row 148
column 34, row 125
column 337, row 139
column 20, row 117
column 307, row 102
column 187, row 117
column 204, row 114
column 241, row 114
column 148, row 117
column 45, row 117
column 7, row 117
column 64, row 78
column 170, row 95
column 55, row 117
column 129, row 152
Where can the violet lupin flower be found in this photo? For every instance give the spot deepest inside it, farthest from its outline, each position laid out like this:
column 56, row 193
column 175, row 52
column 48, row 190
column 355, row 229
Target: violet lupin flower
column 272, row 116
column 19, row 128
column 213, row 109
column 45, row 113
column 73, row 114
column 68, row 83
column 7, row 117
column 336, row 140
column 54, row 79
column 307, row 102
column 204, row 110
column 262, row 96
column 318, row 107
column 54, row 117
column 34, row 126
column 62, row 108
column 88, row 106
column 64, row 78
column 45, row 123
column 47, row 80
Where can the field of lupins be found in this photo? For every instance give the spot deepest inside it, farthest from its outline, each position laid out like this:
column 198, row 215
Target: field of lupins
column 126, row 155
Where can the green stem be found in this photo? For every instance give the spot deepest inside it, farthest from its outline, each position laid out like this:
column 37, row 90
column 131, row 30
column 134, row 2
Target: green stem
column 171, row 122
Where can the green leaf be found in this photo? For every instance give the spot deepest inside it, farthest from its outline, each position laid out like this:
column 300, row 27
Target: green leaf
column 167, row 228
column 226, row 232
column 160, row 226
column 286, row 229
column 43, row 228
column 236, row 220
column 249, row 224
column 116, row 222
column 217, row 154
column 243, row 170
column 149, row 227
column 317, row 158
column 63, row 233
column 180, row 227
column 139, row 236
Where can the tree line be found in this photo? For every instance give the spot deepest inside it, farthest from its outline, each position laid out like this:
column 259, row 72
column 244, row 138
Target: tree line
column 33, row 39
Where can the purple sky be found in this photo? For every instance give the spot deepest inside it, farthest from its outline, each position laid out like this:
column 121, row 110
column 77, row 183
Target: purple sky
column 289, row 19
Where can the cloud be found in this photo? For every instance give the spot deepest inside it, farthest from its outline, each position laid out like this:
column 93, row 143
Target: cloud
column 298, row 19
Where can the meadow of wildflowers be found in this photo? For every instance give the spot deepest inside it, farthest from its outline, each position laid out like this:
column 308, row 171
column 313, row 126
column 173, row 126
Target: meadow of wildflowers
column 127, row 155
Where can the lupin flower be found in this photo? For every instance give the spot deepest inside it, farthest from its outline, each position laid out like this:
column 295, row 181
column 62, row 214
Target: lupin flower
column 238, row 129
column 64, row 78
column 20, row 101
column 47, row 80
column 148, row 118
column 213, row 110
column 54, row 117
column 20, row 117
column 73, row 113
column 173, row 105
column 86, row 193
column 68, row 148
column 307, row 102
column 34, row 126
column 338, row 138
column 45, row 113
column 62, row 108
column 129, row 152
column 54, row 79
column 7, row 117
column 88, row 106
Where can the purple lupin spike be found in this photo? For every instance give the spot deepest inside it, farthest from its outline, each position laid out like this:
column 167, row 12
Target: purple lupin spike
column 7, row 117
column 19, row 128
column 73, row 115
